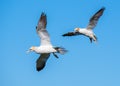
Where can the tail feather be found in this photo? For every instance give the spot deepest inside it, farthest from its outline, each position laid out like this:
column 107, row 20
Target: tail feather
column 95, row 38
column 60, row 50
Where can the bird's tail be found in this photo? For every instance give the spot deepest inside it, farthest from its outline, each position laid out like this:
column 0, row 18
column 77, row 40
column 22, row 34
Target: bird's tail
column 95, row 38
column 60, row 50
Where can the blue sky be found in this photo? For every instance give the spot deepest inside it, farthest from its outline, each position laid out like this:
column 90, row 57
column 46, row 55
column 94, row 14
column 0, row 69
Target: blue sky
column 85, row 64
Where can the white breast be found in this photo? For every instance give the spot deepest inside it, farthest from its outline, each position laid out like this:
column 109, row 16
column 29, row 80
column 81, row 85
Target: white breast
column 86, row 32
column 45, row 49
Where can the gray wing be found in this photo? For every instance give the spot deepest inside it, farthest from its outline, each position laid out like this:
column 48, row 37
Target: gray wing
column 41, row 30
column 94, row 19
column 41, row 61
column 71, row 34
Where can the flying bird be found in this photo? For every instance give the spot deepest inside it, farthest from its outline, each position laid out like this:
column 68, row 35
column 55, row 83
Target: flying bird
column 45, row 48
column 88, row 31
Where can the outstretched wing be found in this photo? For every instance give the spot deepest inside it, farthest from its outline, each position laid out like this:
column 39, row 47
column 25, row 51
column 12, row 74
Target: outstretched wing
column 94, row 19
column 71, row 34
column 41, row 30
column 41, row 61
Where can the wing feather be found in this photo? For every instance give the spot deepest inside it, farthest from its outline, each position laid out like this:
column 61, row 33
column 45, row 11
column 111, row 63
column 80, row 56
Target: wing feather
column 71, row 34
column 41, row 30
column 94, row 19
column 41, row 61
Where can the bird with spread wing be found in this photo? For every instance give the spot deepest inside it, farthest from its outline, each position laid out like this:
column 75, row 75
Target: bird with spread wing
column 88, row 31
column 46, row 48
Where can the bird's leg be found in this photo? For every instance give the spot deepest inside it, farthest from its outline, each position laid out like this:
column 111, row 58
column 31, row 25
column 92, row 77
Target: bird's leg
column 90, row 40
column 55, row 55
column 95, row 38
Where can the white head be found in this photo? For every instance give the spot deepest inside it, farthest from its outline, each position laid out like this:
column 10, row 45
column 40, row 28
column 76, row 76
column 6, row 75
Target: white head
column 31, row 49
column 76, row 29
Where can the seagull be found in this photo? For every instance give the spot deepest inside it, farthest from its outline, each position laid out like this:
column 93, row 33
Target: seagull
column 45, row 48
column 88, row 31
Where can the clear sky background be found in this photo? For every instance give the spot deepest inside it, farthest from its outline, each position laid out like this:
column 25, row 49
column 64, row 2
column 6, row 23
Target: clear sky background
column 85, row 64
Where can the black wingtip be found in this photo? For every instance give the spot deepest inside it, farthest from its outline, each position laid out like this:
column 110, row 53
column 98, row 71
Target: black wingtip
column 40, row 68
column 103, row 8
column 43, row 14
column 68, row 34
column 64, row 35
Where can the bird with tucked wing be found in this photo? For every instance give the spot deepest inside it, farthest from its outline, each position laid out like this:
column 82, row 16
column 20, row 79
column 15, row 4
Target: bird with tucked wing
column 88, row 31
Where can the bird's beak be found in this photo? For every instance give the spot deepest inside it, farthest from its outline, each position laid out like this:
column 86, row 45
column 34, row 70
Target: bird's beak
column 28, row 51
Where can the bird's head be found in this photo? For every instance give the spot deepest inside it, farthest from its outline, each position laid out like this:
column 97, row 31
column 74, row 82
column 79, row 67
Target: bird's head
column 31, row 49
column 76, row 29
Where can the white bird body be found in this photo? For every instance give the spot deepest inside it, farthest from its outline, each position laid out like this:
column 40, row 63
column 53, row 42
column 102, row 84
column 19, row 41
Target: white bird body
column 85, row 31
column 45, row 49
column 88, row 31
